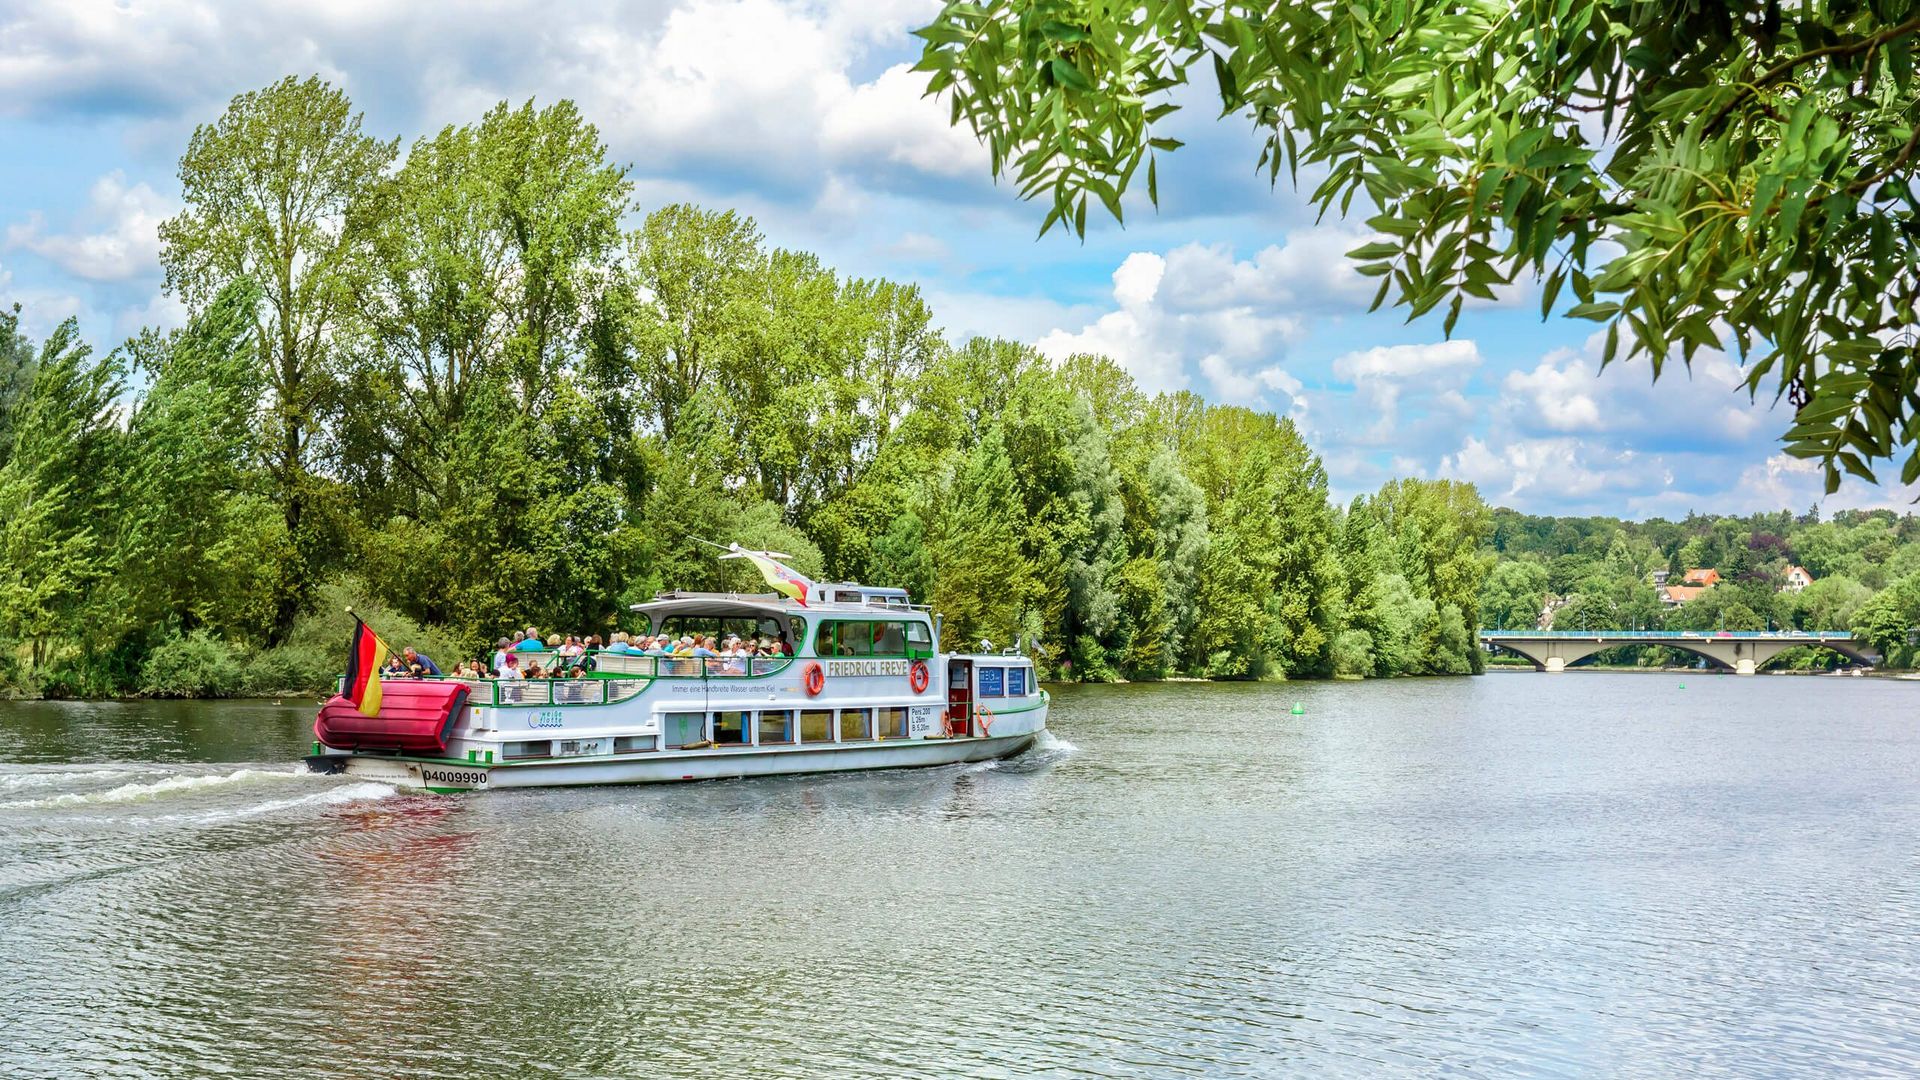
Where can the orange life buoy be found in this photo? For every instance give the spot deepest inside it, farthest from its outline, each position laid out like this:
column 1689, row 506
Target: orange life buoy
column 984, row 717
column 815, row 680
column 917, row 676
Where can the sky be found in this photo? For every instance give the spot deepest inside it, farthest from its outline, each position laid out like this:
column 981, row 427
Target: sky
column 807, row 116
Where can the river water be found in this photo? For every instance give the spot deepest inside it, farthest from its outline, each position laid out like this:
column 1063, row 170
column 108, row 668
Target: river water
column 1581, row 874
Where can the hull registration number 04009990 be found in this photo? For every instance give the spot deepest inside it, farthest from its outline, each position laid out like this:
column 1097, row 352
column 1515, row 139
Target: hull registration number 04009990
column 431, row 776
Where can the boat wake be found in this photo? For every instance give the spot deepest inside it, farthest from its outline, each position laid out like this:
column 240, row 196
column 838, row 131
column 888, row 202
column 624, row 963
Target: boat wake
column 1048, row 742
column 175, row 788
column 139, row 792
column 1047, row 751
column 362, row 791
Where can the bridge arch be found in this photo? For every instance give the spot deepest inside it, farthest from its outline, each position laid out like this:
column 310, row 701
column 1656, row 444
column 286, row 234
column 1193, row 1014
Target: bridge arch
column 1568, row 652
column 1744, row 652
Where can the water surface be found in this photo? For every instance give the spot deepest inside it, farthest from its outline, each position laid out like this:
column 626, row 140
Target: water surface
column 1582, row 874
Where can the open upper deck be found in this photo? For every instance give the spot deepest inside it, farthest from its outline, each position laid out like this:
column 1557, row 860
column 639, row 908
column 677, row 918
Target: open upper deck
column 838, row 619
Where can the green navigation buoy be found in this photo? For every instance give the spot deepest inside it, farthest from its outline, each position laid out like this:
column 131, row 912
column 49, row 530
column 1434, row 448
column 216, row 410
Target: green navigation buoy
column 1299, row 709
column 1683, row 686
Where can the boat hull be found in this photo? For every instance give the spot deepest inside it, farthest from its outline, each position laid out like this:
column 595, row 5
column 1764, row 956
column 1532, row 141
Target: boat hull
column 449, row 776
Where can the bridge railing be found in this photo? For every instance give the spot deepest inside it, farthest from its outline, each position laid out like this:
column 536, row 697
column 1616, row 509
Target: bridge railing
column 1678, row 635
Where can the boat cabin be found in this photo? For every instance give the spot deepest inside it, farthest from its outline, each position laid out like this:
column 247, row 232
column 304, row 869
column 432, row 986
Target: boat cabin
column 841, row 620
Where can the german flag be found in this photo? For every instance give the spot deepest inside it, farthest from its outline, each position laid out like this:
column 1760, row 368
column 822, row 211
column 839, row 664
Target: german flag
column 365, row 653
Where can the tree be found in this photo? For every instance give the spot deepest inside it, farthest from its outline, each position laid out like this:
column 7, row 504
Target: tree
column 695, row 270
column 54, row 493
column 16, row 375
column 198, row 545
column 1701, row 176
column 558, row 203
column 270, row 190
column 1513, row 595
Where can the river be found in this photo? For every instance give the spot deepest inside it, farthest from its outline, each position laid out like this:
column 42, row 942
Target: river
column 1581, row 874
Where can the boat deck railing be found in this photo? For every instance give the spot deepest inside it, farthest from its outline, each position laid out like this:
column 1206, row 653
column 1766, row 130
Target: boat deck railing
column 614, row 677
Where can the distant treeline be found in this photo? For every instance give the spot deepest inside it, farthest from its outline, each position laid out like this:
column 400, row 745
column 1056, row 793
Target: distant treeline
column 451, row 388
column 1597, row 573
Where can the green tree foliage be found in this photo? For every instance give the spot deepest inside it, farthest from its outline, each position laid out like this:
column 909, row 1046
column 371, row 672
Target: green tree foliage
column 199, row 545
column 450, row 392
column 271, row 192
column 55, row 494
column 16, row 375
column 1513, row 595
column 1597, row 572
column 1698, row 176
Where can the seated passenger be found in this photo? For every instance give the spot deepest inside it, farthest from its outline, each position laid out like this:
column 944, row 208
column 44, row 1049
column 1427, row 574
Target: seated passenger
column 510, row 668
column 501, row 650
column 531, row 642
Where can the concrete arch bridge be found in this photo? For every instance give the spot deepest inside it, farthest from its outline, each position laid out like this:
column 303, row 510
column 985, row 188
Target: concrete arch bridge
column 1742, row 652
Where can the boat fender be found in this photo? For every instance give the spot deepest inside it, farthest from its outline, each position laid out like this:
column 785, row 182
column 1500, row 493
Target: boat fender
column 918, row 677
column 815, row 679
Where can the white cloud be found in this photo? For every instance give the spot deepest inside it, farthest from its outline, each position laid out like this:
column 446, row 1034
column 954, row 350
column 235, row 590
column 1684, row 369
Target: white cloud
column 161, row 311
column 917, row 247
column 889, row 120
column 1386, row 377
column 116, row 237
column 1440, row 359
column 772, row 91
column 962, row 314
column 1240, row 389
column 1566, row 393
column 1199, row 311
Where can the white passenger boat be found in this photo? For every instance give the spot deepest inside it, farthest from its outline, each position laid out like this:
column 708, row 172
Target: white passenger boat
column 868, row 687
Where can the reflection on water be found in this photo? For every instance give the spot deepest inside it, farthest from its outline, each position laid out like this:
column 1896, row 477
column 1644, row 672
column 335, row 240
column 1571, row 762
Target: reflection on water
column 1572, row 874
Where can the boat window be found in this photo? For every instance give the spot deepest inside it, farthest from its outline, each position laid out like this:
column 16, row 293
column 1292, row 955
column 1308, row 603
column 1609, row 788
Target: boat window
column 542, row 748
column 992, row 682
column 1016, row 682
column 845, row 596
column 730, row 729
column 893, row 723
column 776, row 727
column 856, row 725
column 632, row 744
column 816, row 725
column 874, row 638
column 845, row 639
column 681, row 728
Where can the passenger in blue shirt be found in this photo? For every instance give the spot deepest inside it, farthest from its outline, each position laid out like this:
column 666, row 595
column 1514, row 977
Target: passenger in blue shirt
column 418, row 665
column 532, row 642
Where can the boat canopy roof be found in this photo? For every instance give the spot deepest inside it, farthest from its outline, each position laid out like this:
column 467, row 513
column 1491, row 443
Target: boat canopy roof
column 827, row 600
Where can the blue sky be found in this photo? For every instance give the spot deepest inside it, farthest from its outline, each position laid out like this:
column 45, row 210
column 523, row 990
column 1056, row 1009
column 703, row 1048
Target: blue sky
column 805, row 115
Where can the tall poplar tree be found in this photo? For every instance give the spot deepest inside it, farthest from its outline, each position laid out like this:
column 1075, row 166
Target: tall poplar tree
column 271, row 190
column 55, row 494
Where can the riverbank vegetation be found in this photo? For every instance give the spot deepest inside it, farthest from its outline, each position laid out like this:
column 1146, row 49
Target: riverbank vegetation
column 1599, row 573
column 469, row 387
